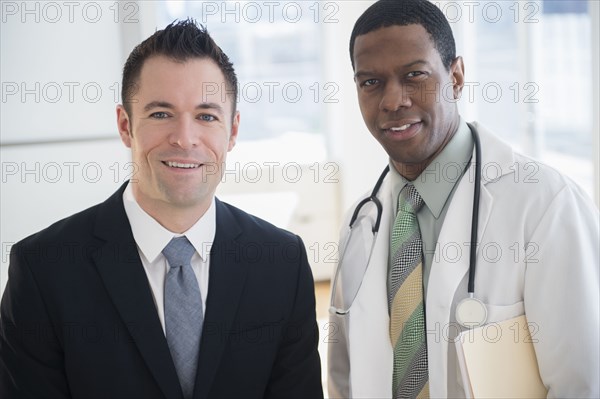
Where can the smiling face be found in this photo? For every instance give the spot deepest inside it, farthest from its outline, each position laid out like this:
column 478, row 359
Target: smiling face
column 407, row 97
column 179, row 131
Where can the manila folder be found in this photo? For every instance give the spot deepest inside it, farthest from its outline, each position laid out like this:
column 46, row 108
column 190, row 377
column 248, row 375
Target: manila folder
column 497, row 360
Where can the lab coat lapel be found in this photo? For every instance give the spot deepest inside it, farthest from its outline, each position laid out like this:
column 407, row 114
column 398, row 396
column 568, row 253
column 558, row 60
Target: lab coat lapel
column 449, row 267
column 371, row 354
column 119, row 265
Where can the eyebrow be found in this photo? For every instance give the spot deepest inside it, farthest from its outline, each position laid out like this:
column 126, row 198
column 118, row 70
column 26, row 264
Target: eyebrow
column 163, row 104
column 409, row 65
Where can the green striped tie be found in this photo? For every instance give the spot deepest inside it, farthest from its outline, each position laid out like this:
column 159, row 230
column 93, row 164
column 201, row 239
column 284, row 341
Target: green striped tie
column 405, row 300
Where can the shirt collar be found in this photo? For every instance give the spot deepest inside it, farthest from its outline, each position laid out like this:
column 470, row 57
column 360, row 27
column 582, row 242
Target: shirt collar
column 436, row 182
column 151, row 237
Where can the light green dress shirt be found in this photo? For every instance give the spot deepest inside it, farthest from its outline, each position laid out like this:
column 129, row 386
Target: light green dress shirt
column 436, row 185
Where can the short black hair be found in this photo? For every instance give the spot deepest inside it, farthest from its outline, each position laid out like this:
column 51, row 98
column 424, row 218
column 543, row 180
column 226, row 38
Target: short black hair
column 179, row 41
column 386, row 13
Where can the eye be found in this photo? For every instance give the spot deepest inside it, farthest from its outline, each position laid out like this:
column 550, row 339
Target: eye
column 207, row 118
column 159, row 115
column 416, row 74
column 369, row 82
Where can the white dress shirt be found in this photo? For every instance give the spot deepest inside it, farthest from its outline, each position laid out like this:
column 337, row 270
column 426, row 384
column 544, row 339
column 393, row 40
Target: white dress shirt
column 151, row 238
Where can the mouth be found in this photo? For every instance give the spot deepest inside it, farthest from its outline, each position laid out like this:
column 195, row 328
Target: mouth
column 181, row 165
column 401, row 130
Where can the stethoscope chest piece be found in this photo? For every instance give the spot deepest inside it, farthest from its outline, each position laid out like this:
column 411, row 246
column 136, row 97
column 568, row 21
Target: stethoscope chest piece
column 471, row 312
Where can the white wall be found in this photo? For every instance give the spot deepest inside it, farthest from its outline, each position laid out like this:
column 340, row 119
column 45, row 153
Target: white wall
column 59, row 79
column 60, row 76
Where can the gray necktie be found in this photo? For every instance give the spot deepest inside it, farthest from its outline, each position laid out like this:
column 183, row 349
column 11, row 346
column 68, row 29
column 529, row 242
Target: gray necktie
column 183, row 312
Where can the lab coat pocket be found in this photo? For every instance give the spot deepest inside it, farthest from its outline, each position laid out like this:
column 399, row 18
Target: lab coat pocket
column 498, row 313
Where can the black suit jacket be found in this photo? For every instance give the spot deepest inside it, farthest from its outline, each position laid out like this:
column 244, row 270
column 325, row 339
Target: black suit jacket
column 78, row 318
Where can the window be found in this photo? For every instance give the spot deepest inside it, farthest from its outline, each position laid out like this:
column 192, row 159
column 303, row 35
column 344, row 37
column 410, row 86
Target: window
column 275, row 49
column 528, row 67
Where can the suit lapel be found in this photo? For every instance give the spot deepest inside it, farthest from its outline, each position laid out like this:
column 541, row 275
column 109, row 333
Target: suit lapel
column 228, row 269
column 120, row 267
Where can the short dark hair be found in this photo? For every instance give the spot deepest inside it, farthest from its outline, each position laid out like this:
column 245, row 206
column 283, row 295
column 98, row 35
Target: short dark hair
column 386, row 13
column 180, row 41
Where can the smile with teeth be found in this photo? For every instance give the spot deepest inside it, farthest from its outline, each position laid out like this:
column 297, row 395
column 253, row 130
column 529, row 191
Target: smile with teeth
column 399, row 129
column 182, row 165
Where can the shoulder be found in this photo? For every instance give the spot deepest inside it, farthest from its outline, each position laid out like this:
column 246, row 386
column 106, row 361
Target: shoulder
column 269, row 250
column 70, row 229
column 525, row 187
column 252, row 226
column 502, row 164
column 79, row 227
column 53, row 254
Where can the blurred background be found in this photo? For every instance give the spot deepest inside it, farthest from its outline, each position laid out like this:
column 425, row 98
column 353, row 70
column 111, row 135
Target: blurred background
column 303, row 155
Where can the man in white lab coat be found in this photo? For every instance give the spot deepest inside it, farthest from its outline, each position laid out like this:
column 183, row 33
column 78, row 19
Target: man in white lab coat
column 538, row 234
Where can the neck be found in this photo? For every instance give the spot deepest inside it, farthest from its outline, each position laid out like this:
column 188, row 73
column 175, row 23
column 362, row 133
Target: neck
column 176, row 219
column 411, row 171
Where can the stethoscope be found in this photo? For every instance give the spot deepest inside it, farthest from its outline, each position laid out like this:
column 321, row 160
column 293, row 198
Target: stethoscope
column 470, row 312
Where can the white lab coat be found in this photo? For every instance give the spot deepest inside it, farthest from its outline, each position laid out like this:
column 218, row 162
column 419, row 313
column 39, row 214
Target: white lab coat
column 538, row 254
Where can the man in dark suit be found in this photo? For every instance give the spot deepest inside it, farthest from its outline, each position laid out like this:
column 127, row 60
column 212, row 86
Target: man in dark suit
column 103, row 304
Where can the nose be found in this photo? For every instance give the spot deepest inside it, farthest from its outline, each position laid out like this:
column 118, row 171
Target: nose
column 395, row 96
column 185, row 134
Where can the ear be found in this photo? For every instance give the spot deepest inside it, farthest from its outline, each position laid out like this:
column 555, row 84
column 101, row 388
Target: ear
column 124, row 126
column 234, row 131
column 457, row 71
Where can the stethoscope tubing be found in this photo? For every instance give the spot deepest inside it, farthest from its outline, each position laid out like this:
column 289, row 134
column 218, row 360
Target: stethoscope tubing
column 372, row 197
column 475, row 218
